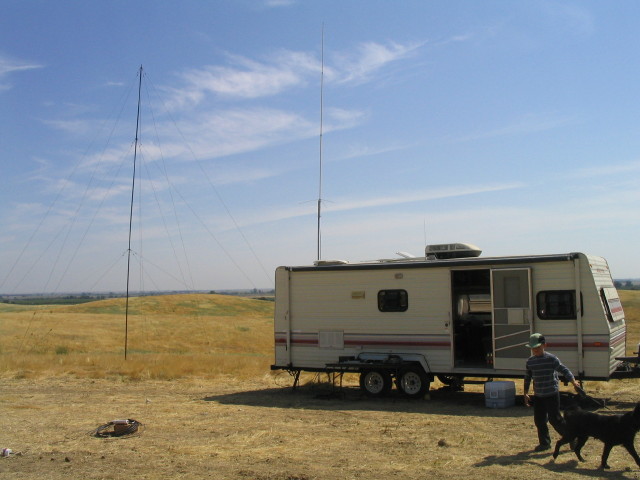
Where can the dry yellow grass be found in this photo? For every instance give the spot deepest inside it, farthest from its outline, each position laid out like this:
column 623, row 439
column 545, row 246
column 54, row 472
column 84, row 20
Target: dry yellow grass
column 219, row 419
column 168, row 337
column 631, row 304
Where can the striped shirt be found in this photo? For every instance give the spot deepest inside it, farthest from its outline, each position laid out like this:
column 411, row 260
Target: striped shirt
column 544, row 371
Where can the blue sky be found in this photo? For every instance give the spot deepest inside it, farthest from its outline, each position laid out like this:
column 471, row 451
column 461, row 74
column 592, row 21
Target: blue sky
column 510, row 125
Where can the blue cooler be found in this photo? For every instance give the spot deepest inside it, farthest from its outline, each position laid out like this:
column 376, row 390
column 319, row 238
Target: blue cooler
column 500, row 394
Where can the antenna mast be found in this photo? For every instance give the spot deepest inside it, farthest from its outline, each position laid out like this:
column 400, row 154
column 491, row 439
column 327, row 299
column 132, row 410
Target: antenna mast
column 321, row 118
column 133, row 186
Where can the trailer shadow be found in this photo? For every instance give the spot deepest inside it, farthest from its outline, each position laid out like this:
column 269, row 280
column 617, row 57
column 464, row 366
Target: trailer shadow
column 327, row 397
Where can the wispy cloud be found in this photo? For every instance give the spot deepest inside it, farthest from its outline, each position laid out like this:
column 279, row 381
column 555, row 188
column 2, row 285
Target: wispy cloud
column 349, row 203
column 366, row 150
column 9, row 66
column 609, row 169
column 214, row 135
column 419, row 196
column 279, row 3
column 211, row 135
column 286, row 69
column 574, row 227
column 359, row 66
column 531, row 123
column 75, row 127
column 245, row 78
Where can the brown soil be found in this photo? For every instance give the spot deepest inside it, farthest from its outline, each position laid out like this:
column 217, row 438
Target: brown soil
column 231, row 429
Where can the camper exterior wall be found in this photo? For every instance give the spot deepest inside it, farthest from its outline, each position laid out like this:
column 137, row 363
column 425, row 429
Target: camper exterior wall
column 324, row 313
column 617, row 340
column 347, row 302
column 561, row 335
column 602, row 341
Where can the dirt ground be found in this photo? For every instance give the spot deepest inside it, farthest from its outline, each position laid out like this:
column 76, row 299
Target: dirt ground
column 231, row 429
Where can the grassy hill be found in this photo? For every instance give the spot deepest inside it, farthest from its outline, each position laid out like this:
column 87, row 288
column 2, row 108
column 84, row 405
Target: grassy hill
column 631, row 304
column 167, row 336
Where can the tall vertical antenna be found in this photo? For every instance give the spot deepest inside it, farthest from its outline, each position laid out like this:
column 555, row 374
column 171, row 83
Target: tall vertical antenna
column 321, row 118
column 424, row 230
column 133, row 187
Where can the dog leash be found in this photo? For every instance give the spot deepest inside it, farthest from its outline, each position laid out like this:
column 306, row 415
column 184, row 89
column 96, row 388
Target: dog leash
column 595, row 401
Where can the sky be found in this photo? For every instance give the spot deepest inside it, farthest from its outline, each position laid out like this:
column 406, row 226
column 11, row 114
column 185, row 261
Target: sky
column 513, row 126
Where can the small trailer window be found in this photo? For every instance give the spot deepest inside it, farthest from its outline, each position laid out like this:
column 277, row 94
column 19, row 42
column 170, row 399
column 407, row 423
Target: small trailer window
column 557, row 305
column 612, row 304
column 393, row 300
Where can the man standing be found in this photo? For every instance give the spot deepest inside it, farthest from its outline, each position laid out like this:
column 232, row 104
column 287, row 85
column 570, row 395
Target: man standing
column 543, row 368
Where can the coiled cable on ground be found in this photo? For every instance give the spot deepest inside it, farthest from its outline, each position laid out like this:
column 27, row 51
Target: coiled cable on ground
column 118, row 428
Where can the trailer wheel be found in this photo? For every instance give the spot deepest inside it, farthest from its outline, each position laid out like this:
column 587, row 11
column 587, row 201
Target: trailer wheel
column 414, row 382
column 375, row 383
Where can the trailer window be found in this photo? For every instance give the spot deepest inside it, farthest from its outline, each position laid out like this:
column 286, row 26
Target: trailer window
column 557, row 305
column 393, row 300
column 612, row 304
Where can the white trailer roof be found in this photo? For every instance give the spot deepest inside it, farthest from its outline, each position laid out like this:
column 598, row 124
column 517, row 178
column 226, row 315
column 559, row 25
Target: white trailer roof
column 424, row 263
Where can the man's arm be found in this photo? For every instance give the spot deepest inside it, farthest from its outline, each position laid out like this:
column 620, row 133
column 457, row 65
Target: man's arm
column 527, row 383
column 568, row 375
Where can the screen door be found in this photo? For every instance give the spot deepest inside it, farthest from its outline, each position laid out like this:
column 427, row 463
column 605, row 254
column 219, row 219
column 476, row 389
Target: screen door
column 512, row 316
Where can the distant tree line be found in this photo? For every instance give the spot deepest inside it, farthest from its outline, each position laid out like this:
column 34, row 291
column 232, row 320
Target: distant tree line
column 627, row 285
column 63, row 300
column 243, row 293
column 73, row 299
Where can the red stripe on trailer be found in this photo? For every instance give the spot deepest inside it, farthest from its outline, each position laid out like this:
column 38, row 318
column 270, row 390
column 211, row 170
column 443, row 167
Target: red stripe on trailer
column 398, row 343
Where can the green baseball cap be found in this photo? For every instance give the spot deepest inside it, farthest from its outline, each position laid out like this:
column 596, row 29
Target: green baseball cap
column 535, row 340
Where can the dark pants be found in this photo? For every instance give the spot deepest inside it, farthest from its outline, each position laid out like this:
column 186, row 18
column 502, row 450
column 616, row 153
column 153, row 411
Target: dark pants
column 547, row 409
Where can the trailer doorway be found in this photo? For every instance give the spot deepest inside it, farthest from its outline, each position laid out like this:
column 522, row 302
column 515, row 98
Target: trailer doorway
column 472, row 318
column 512, row 316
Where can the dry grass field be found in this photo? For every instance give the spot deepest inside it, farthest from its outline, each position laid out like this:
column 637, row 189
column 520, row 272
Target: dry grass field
column 168, row 337
column 197, row 377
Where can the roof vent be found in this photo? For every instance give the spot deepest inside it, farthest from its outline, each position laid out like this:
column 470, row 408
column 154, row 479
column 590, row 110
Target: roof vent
column 325, row 263
column 445, row 251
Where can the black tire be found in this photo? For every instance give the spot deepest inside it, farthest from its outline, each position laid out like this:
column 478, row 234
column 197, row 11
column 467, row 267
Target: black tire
column 414, row 382
column 375, row 383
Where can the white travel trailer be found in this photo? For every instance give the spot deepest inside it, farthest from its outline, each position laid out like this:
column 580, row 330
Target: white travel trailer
column 450, row 314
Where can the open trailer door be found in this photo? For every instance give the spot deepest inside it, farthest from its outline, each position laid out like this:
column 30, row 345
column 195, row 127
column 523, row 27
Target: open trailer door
column 512, row 316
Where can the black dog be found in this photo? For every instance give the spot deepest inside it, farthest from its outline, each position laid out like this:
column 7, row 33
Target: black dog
column 610, row 429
